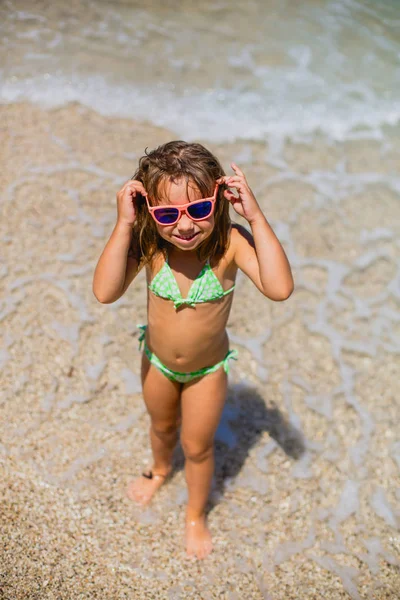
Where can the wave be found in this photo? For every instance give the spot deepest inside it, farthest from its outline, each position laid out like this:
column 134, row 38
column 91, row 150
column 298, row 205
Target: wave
column 216, row 114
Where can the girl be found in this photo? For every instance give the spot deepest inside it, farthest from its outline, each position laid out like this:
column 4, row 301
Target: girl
column 173, row 219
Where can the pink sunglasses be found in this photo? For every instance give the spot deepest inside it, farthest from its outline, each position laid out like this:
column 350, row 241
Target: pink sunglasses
column 197, row 210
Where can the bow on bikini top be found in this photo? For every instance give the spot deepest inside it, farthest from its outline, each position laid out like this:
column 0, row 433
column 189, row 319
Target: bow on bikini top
column 205, row 288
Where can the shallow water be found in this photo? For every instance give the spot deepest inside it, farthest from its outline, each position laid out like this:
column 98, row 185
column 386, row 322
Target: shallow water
column 225, row 71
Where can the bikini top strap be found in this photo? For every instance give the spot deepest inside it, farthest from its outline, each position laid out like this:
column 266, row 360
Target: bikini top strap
column 230, row 290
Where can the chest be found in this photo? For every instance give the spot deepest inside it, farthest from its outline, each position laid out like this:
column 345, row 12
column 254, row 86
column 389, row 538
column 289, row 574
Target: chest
column 180, row 286
column 186, row 284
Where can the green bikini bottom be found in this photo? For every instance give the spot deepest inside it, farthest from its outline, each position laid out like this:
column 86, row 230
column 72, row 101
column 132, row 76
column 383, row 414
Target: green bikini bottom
column 176, row 375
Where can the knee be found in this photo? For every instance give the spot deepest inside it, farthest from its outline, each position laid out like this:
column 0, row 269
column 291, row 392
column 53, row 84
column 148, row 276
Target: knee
column 197, row 452
column 164, row 429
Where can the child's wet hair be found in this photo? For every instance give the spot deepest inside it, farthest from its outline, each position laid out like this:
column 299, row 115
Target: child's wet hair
column 172, row 162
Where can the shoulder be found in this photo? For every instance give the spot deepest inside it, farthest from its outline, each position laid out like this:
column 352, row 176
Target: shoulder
column 240, row 243
column 154, row 264
column 240, row 238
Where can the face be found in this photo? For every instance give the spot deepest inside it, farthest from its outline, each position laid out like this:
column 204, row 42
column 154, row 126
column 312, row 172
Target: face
column 185, row 234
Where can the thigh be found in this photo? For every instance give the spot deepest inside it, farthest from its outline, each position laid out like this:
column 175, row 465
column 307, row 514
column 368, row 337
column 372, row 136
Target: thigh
column 202, row 405
column 161, row 395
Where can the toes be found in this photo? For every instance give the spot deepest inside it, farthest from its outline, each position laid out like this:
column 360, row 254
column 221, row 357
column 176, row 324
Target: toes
column 207, row 548
column 130, row 493
column 190, row 549
column 142, row 498
column 202, row 551
column 136, row 496
column 198, row 551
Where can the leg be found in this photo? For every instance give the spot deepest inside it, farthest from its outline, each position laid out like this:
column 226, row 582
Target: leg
column 162, row 399
column 202, row 404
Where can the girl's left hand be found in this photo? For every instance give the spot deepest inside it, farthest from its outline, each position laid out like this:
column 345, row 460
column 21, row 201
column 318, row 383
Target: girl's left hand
column 245, row 204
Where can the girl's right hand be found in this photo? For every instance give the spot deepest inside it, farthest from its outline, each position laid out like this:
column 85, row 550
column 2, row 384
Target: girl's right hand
column 127, row 199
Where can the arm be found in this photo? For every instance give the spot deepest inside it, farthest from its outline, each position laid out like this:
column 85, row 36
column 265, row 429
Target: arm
column 258, row 254
column 115, row 269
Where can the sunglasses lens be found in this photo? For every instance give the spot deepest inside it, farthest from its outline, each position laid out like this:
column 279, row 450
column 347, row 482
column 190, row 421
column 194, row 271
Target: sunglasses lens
column 166, row 216
column 200, row 210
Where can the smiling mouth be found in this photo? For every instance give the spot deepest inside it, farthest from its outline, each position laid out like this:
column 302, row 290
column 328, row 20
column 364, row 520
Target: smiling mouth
column 186, row 238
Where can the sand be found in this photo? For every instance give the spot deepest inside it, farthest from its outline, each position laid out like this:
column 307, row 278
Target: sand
column 305, row 502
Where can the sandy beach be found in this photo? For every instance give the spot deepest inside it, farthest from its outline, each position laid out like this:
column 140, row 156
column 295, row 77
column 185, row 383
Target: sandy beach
column 306, row 496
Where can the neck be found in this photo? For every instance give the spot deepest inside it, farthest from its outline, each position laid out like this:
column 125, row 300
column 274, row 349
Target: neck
column 174, row 251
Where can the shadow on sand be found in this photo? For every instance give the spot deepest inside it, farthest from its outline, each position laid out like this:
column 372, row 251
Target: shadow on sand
column 244, row 419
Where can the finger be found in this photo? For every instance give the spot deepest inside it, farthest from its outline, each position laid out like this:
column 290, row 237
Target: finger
column 238, row 185
column 135, row 183
column 134, row 188
column 236, row 178
column 230, row 196
column 237, row 170
column 139, row 187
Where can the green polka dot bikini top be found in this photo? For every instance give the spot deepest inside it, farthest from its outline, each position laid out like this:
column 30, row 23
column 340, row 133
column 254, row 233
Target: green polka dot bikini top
column 205, row 288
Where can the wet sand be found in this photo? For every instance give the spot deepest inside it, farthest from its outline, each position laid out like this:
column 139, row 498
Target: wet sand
column 305, row 502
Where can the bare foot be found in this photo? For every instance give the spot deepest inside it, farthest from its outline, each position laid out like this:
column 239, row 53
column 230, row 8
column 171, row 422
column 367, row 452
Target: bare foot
column 143, row 488
column 198, row 538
